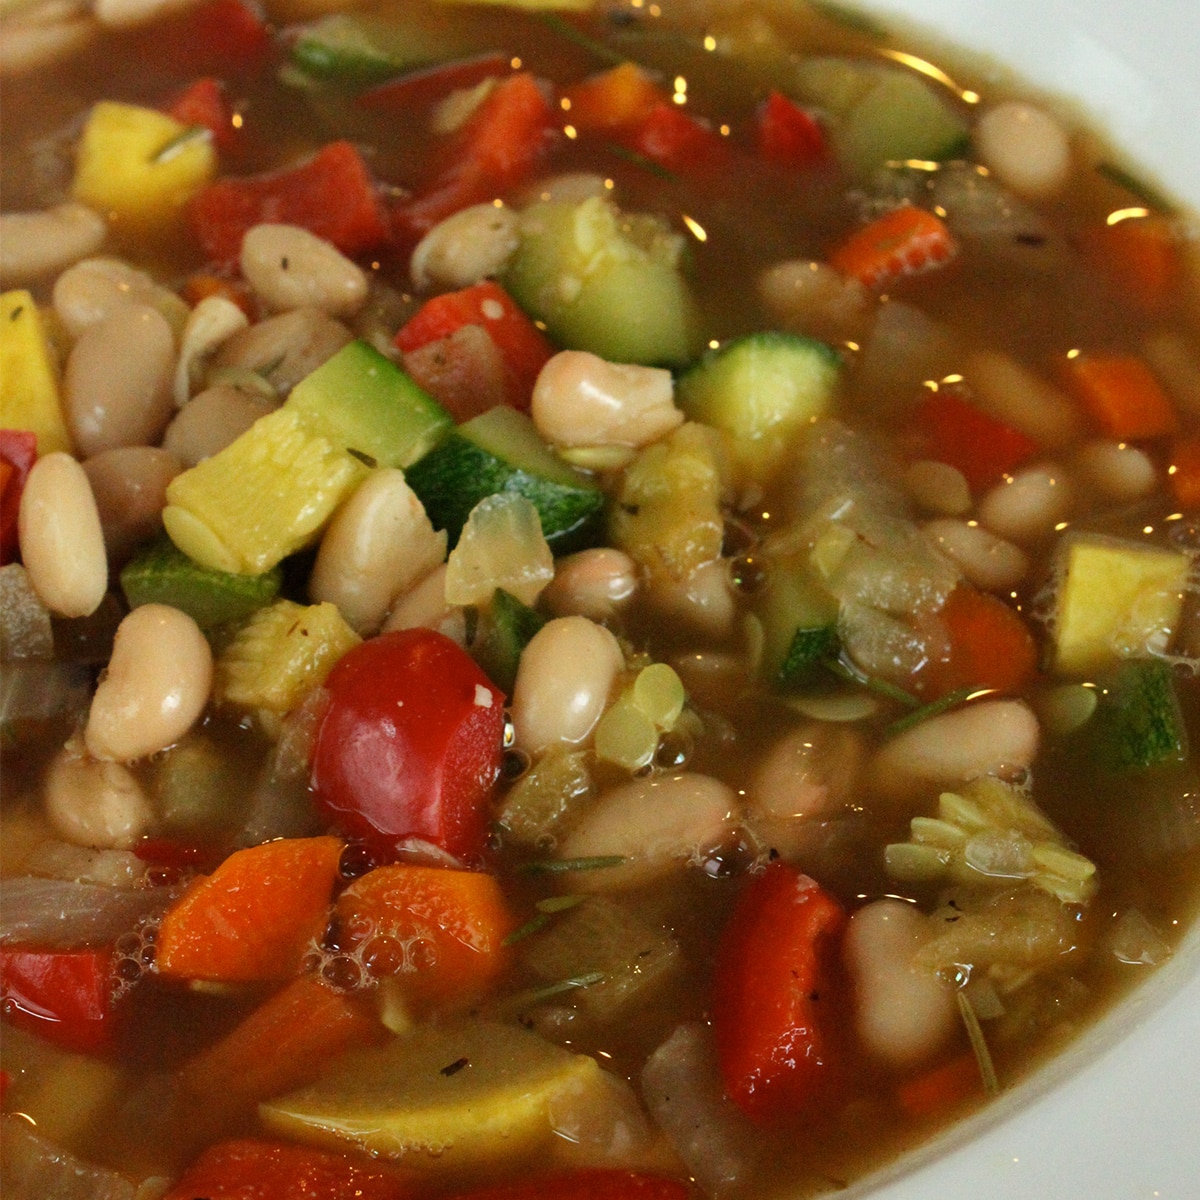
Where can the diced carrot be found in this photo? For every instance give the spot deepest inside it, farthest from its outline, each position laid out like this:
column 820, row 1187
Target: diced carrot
column 440, row 930
column 681, row 143
column 254, row 917
column 618, row 98
column 1141, row 255
column 989, row 646
column 940, row 1089
column 1183, row 472
column 906, row 241
column 281, row 1045
column 787, row 133
column 1121, row 395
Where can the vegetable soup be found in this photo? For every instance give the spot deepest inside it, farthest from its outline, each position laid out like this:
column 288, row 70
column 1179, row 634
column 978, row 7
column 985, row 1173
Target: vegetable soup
column 599, row 601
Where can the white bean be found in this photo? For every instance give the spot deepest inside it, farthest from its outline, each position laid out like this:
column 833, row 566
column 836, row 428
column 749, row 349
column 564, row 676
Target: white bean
column 813, row 298
column 286, row 347
column 91, row 290
column 657, row 824
column 424, row 606
column 379, row 543
column 937, row 487
column 288, row 267
column 1117, row 470
column 117, row 385
column 563, row 682
column 1029, row 504
column 93, row 803
column 156, row 686
column 986, row 560
column 212, row 322
column 62, row 542
column 472, row 245
column 1025, row 146
column 569, row 187
column 1027, row 401
column 130, row 487
column 580, row 399
column 210, row 421
column 591, row 583
column 36, row 244
column 702, row 602
column 44, row 35
column 903, row 1015
column 120, row 14
column 990, row 737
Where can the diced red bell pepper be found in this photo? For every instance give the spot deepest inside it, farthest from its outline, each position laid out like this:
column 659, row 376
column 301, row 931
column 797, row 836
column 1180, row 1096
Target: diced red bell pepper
column 331, row 194
column 500, row 146
column 205, row 104
column 18, row 450
column 788, row 134
column 952, row 430
column 65, row 996
column 681, row 143
column 408, row 95
column 596, row 1184
column 775, row 1009
column 522, row 348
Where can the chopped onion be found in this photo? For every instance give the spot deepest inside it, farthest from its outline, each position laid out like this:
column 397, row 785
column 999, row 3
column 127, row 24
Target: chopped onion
column 40, row 691
column 36, row 1167
column 59, row 912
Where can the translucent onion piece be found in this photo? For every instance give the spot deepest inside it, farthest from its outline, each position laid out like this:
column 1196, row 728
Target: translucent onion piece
column 33, row 1166
column 40, row 691
column 59, row 912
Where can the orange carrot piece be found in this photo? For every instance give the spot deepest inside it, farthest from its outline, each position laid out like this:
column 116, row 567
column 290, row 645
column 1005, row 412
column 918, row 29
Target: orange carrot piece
column 906, row 241
column 440, row 930
column 614, row 99
column 1183, row 472
column 1121, row 395
column 201, row 285
column 1141, row 255
column 254, row 917
column 990, row 646
column 940, row 1089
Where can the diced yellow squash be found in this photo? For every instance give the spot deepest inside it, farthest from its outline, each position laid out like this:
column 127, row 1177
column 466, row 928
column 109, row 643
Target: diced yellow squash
column 139, row 166
column 265, row 496
column 280, row 654
column 1115, row 600
column 443, row 1097
column 29, row 396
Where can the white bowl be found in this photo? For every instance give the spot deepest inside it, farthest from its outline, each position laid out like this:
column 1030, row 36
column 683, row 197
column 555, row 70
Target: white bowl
column 1117, row 1117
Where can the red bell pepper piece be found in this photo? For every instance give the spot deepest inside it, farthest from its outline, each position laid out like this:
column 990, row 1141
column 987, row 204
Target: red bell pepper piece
column 775, row 1012
column 65, row 996
column 410, row 744
column 680, row 143
column 332, row 195
column 521, row 347
column 499, row 147
column 252, row 1169
column 952, row 430
column 407, row 95
column 204, row 103
column 18, row 451
column 596, row 1184
column 787, row 134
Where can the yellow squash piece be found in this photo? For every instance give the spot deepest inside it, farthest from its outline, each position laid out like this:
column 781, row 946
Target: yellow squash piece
column 442, row 1097
column 1115, row 600
column 29, row 397
column 140, row 166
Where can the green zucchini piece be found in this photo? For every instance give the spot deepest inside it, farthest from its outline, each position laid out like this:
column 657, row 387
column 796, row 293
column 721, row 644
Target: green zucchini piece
column 1138, row 722
column 504, row 629
column 760, row 390
column 799, row 622
column 360, row 49
column 500, row 451
column 363, row 401
column 162, row 574
column 606, row 281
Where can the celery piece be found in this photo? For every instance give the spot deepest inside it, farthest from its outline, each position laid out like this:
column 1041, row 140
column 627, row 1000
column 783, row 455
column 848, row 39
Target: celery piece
column 199, row 791
column 363, row 401
column 162, row 574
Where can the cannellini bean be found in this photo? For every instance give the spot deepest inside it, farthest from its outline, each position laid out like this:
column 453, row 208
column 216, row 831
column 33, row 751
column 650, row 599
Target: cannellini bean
column 903, row 1015
column 379, row 543
column 43, row 35
column 156, row 686
column 94, row 803
column 213, row 321
column 563, row 682
column 93, row 289
column 36, row 244
column 990, row 737
column 1023, row 399
column 286, row 347
column 569, row 187
column 424, row 606
column 1118, row 470
column 1025, row 146
column 117, row 384
column 62, row 542
column 657, row 824
column 592, row 583
column 580, row 399
column 986, row 560
column 1028, row 504
column 703, row 601
column 937, row 487
column 813, row 298
column 288, row 267
column 472, row 245
column 210, row 421
column 130, row 487
column 120, row 14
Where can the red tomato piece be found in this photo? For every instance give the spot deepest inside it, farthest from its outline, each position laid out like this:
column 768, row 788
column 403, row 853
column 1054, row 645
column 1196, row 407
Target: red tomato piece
column 410, row 744
column 788, row 134
column 681, row 143
column 250, row 1169
column 332, row 195
column 597, row 1184
column 775, row 1011
column 417, row 90
column 204, row 103
column 65, row 996
column 220, row 37
column 954, row 431
column 18, row 451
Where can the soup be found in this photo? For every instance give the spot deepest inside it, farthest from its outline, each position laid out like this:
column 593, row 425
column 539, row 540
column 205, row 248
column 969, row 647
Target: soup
column 595, row 603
